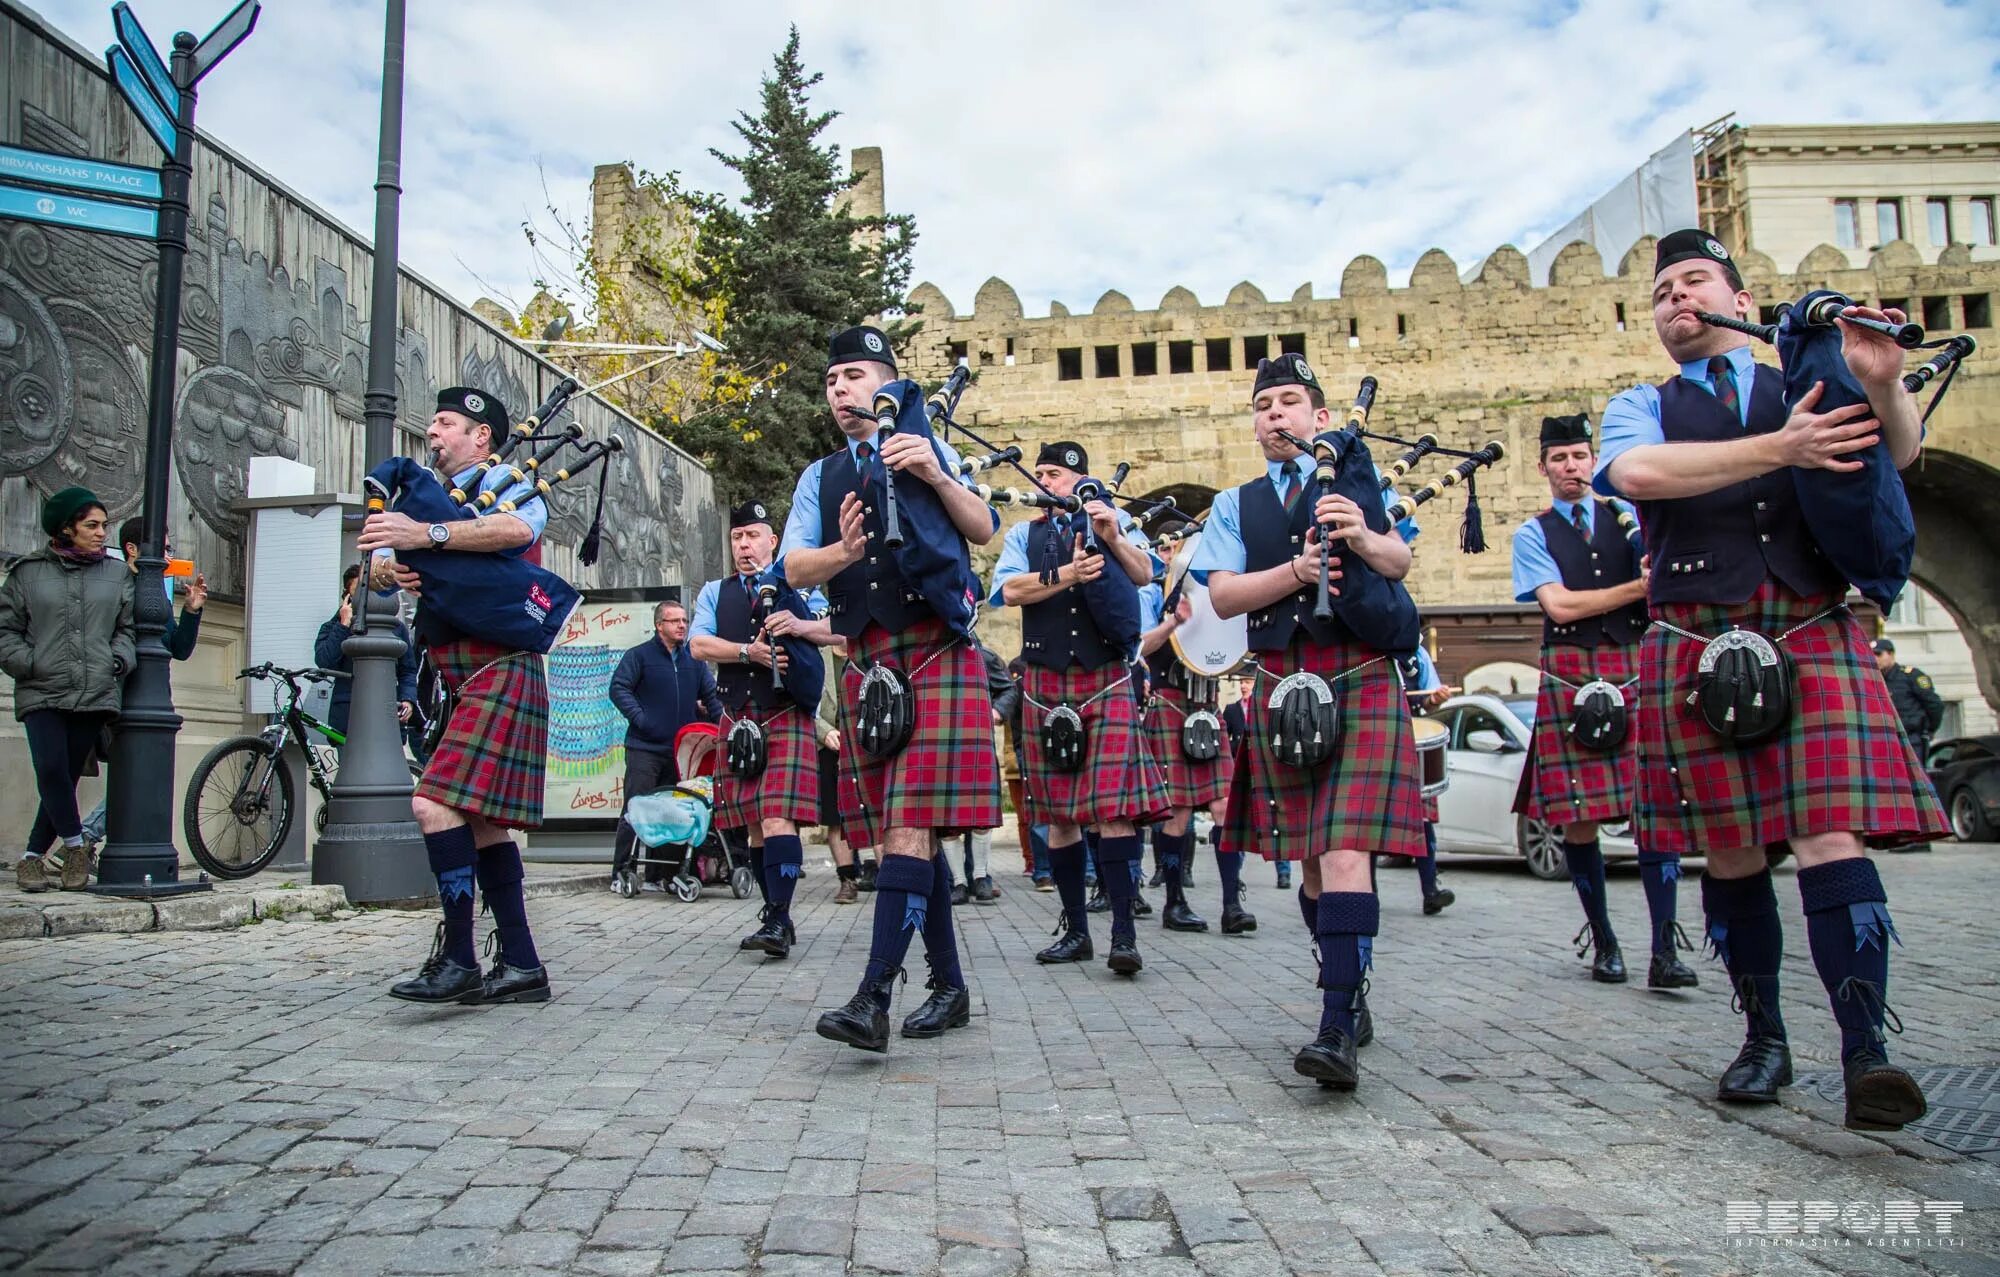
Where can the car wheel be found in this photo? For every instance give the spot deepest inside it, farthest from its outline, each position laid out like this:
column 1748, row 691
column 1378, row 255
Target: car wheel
column 1540, row 844
column 1968, row 823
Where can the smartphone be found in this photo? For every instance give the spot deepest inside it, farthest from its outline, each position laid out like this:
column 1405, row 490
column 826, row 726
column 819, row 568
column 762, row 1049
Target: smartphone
column 180, row 567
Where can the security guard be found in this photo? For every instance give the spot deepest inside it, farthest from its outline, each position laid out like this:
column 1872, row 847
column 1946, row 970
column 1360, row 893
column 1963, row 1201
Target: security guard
column 1917, row 702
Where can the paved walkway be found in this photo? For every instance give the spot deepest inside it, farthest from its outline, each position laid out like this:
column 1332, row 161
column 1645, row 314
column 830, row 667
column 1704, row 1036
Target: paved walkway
column 248, row 1101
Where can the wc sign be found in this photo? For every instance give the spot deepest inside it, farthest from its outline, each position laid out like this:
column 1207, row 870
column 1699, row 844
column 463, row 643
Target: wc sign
column 1889, row 1224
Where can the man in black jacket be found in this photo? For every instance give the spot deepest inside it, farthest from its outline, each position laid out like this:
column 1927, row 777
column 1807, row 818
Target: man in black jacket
column 660, row 688
column 327, row 654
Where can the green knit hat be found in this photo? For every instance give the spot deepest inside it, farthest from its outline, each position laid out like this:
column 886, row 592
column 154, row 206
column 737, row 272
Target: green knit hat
column 59, row 509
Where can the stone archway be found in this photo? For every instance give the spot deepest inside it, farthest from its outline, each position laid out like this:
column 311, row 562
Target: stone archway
column 1956, row 500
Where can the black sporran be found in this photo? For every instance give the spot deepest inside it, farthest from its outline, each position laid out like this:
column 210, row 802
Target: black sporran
column 1743, row 688
column 1201, row 737
column 888, row 712
column 747, row 750
column 1305, row 721
column 1598, row 717
column 1065, row 741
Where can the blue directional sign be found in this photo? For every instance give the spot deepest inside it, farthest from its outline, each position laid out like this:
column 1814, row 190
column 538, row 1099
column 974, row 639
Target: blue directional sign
column 140, row 98
column 20, row 164
column 139, row 47
column 82, row 214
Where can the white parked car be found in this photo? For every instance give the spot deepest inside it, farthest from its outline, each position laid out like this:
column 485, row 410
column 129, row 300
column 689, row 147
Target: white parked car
column 1488, row 745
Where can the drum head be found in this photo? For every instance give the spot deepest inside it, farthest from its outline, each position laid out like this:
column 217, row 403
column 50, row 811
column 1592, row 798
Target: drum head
column 1431, row 734
column 1205, row 643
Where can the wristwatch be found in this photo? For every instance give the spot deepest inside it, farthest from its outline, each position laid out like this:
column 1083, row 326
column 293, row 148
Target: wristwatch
column 743, row 653
column 440, row 533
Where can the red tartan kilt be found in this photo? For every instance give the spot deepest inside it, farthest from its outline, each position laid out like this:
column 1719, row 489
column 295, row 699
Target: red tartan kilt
column 947, row 778
column 1189, row 784
column 787, row 788
column 1561, row 781
column 1841, row 765
column 1118, row 779
column 491, row 758
column 1368, row 797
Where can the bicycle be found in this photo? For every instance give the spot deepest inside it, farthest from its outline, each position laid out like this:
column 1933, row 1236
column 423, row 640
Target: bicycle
column 239, row 803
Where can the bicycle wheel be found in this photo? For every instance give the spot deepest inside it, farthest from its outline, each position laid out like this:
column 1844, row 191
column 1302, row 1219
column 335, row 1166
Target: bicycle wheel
column 238, row 807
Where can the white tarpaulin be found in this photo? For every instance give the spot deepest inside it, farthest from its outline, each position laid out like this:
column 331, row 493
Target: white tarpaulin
column 1655, row 198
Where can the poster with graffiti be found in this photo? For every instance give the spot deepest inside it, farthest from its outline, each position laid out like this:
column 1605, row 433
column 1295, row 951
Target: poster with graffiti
column 584, row 786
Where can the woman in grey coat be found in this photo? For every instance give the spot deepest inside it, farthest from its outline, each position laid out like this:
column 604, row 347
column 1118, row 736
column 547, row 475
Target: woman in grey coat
column 66, row 639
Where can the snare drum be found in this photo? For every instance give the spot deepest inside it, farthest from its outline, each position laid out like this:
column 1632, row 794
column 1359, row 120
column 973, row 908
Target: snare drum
column 1432, row 737
column 1205, row 643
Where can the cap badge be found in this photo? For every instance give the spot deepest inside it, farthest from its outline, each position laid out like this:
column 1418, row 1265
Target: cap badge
column 475, row 404
column 872, row 341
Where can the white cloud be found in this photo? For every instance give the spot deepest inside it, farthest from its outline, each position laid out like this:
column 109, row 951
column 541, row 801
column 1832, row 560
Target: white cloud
column 1070, row 148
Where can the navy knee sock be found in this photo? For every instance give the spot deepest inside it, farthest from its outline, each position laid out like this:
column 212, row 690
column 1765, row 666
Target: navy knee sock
column 500, row 874
column 902, row 904
column 1847, row 924
column 1660, row 872
column 1066, row 867
column 1173, row 849
column 1586, row 872
column 1427, row 866
column 940, row 939
column 784, row 860
column 1229, row 868
column 1345, row 926
column 1744, row 930
column 1115, row 862
column 757, row 863
column 452, row 856
column 1309, row 910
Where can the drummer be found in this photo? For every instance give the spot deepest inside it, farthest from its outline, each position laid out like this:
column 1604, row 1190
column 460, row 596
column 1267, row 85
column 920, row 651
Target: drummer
column 1185, row 737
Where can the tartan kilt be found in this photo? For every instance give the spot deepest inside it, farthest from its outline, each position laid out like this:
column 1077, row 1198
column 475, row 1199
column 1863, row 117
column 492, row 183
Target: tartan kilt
column 1189, row 784
column 787, row 788
column 947, row 778
column 1841, row 765
column 1118, row 779
column 1561, row 781
column 1368, row 797
column 490, row 760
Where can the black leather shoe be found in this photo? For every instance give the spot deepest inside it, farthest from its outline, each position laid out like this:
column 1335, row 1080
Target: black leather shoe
column 440, row 979
column 1178, row 917
column 1364, row 1025
column 1159, row 878
column 1072, row 945
column 1759, row 1069
column 1669, row 972
column 514, row 984
column 958, row 893
column 946, row 1008
column 1125, row 959
column 1238, row 921
column 1440, row 900
column 774, row 939
column 862, row 1023
column 1880, row 1096
column 1099, row 902
column 1608, row 967
column 1140, row 908
column 983, row 892
column 867, row 879
column 1329, row 1060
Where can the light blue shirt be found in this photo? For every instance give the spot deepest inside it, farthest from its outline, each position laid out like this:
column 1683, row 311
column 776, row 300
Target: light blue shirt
column 1152, row 605
column 1632, row 418
column 1427, row 672
column 1014, row 551
column 1534, row 565
column 533, row 511
column 802, row 524
column 1221, row 546
column 703, row 621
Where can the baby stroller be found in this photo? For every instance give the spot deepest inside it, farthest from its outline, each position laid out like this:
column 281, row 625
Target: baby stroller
column 675, row 829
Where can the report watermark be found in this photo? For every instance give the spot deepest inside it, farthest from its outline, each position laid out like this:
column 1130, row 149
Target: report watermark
column 1891, row 1223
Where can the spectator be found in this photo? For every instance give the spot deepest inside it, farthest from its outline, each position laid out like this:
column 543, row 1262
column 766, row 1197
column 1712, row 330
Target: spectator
column 327, row 654
column 660, row 688
column 66, row 639
column 179, row 638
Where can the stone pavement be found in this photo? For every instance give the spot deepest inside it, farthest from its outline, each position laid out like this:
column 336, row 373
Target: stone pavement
column 247, row 1101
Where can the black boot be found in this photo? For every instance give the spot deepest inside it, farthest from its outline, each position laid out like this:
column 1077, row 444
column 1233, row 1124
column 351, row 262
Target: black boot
column 1098, row 902
column 1667, row 971
column 1330, row 1060
column 1159, row 878
column 1237, row 921
column 1124, row 958
column 1880, row 1096
column 774, row 939
column 1765, row 1062
column 440, row 979
column 1440, row 900
column 1364, row 1021
column 1072, row 944
column 1140, row 909
column 946, row 1008
column 867, row 879
column 504, row 983
column 1178, row 917
column 1607, row 964
column 863, row 1023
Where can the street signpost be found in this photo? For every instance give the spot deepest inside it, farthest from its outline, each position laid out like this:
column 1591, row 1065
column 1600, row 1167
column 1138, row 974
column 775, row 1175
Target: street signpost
column 79, row 213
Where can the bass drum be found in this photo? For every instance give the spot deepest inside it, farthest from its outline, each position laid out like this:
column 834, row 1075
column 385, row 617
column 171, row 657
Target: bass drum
column 1432, row 737
column 1205, row 643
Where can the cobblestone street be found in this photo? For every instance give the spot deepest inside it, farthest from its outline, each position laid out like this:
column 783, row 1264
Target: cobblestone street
column 248, row 1100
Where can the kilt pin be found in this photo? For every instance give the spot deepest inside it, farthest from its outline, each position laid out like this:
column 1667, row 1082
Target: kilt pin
column 947, row 777
column 491, row 757
column 1118, row 780
column 1368, row 797
column 1188, row 783
column 1840, row 765
column 1562, row 782
column 788, row 787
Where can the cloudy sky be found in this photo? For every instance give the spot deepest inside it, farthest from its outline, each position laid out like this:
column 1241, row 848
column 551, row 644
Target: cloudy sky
column 1066, row 146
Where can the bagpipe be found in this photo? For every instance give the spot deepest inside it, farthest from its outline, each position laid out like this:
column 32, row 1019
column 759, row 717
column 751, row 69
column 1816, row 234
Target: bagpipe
column 930, row 552
column 498, row 596
column 1861, row 519
column 804, row 674
column 1113, row 597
